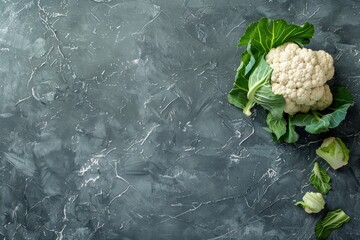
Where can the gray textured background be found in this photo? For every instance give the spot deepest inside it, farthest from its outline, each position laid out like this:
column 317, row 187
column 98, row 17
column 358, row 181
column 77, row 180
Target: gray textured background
column 114, row 122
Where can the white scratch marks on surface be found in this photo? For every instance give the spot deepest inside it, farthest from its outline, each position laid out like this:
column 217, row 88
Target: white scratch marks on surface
column 59, row 234
column 234, row 28
column 168, row 105
column 102, row 1
column 94, row 161
column 202, row 148
column 30, row 78
column 247, row 137
column 305, row 11
column 118, row 176
column 33, row 93
column 152, row 20
column 22, row 100
column 24, row 165
column 270, row 173
column 120, row 195
column 83, row 170
column 315, row 12
column 92, row 180
column 148, row 134
column 141, row 30
column 95, row 17
column 101, row 155
column 196, row 206
column 131, row 145
column 61, row 53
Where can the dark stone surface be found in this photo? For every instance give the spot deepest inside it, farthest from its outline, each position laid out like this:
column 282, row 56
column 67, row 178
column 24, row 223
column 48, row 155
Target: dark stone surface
column 115, row 124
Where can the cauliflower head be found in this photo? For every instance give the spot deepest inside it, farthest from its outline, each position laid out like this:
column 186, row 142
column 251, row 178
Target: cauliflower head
column 300, row 76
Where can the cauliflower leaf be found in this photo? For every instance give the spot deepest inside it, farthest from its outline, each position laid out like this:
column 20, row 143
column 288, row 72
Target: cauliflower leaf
column 334, row 151
column 321, row 121
column 320, row 179
column 282, row 130
column 333, row 220
column 267, row 34
column 260, row 37
column 315, row 122
column 276, row 126
column 260, row 91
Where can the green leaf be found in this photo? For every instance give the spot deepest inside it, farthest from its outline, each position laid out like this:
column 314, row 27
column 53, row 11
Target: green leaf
column 260, row 37
column 291, row 135
column 318, row 124
column 331, row 120
column 276, row 126
column 245, row 39
column 302, row 119
column 259, row 77
column 282, row 129
column 260, row 91
column 334, row 151
column 268, row 100
column 237, row 95
column 321, row 121
column 342, row 96
column 269, row 34
column 320, row 179
column 252, row 60
column 333, row 220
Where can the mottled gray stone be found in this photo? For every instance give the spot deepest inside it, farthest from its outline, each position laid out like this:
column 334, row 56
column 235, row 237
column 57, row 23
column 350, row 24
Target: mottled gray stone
column 114, row 122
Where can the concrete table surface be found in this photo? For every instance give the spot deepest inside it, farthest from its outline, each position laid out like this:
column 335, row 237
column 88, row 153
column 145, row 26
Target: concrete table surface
column 114, row 122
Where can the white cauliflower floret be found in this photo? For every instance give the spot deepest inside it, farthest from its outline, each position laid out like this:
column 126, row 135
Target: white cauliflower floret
column 325, row 101
column 300, row 76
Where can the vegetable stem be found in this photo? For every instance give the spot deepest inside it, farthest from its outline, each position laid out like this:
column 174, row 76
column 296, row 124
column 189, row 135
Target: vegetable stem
column 316, row 115
column 251, row 96
column 247, row 108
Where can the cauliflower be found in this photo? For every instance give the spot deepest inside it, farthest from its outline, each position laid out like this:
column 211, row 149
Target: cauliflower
column 300, row 76
column 281, row 77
